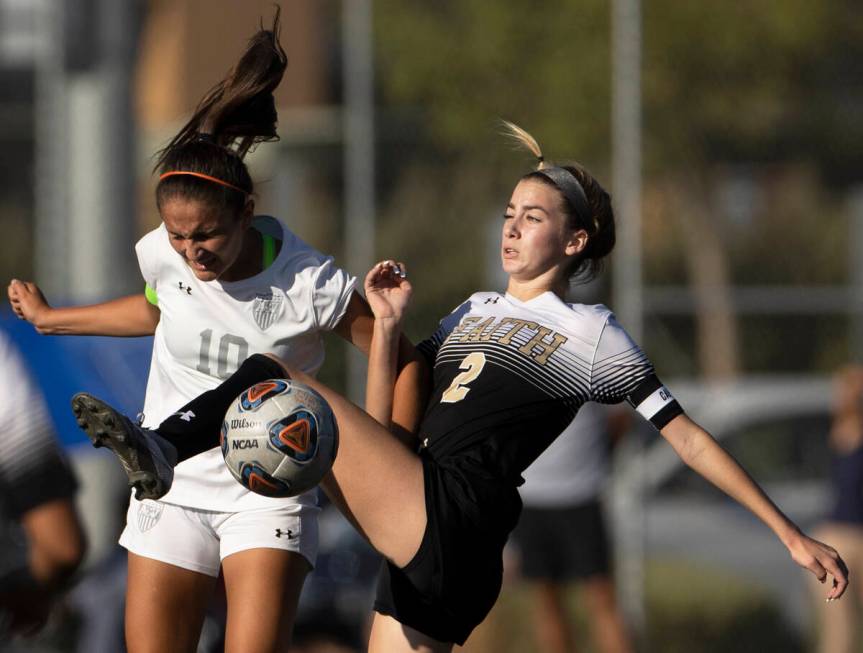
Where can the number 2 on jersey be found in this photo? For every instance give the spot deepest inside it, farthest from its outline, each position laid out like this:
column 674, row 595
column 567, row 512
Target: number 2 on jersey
column 472, row 366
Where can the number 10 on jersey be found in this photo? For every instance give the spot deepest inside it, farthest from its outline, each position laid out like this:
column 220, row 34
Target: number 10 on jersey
column 231, row 352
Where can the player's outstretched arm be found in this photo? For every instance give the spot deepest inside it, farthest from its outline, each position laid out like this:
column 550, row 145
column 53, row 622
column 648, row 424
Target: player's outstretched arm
column 700, row 451
column 388, row 292
column 126, row 316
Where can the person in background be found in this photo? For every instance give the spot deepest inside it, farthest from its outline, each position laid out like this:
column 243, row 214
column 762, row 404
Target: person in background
column 42, row 542
column 839, row 630
column 561, row 535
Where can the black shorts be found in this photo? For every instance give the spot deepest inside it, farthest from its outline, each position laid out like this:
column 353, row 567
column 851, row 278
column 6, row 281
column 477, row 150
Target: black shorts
column 454, row 579
column 568, row 543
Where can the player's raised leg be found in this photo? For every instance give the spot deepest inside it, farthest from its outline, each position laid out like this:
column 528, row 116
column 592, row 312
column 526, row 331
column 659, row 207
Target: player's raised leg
column 376, row 481
column 147, row 459
column 148, row 456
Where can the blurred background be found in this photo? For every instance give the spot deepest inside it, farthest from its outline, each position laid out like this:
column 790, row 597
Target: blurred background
column 729, row 134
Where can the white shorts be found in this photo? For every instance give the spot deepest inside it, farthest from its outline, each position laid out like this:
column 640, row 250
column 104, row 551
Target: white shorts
column 199, row 540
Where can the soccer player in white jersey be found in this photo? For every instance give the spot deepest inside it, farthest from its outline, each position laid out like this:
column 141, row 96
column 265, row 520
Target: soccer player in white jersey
column 510, row 371
column 221, row 285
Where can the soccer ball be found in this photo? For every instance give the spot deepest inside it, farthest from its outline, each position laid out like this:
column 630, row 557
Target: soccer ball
column 279, row 438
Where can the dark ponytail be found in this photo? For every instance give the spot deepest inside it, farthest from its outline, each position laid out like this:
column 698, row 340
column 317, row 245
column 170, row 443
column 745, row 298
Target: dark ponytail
column 599, row 225
column 235, row 115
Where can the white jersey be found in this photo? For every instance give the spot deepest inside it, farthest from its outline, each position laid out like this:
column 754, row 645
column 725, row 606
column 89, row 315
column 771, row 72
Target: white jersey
column 208, row 328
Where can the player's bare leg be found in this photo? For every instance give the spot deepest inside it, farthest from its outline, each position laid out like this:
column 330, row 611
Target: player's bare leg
column 550, row 619
column 263, row 589
column 376, row 481
column 606, row 621
column 165, row 606
column 390, row 636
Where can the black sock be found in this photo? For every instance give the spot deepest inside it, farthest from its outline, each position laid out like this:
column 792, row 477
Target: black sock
column 196, row 426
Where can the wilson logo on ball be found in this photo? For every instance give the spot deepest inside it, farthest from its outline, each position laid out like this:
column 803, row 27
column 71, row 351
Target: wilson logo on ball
column 295, row 435
column 252, row 398
column 279, row 438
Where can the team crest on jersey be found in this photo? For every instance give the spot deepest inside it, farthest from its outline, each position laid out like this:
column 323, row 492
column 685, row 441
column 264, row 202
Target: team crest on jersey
column 267, row 308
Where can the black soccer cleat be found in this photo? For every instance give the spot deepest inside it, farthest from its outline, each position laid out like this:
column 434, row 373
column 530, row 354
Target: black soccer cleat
column 147, row 458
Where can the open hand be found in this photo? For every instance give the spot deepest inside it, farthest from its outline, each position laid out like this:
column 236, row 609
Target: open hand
column 27, row 300
column 388, row 291
column 823, row 561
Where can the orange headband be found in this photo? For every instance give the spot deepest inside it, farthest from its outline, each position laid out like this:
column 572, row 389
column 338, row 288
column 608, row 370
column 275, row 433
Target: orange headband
column 201, row 175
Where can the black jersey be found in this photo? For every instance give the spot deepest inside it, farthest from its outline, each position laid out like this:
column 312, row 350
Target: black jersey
column 509, row 376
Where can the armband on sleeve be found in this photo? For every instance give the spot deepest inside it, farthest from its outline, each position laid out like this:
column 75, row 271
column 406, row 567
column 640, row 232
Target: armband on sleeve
column 654, row 402
column 151, row 295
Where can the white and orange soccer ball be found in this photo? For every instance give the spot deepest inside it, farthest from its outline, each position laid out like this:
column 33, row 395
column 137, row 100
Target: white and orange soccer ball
column 279, row 438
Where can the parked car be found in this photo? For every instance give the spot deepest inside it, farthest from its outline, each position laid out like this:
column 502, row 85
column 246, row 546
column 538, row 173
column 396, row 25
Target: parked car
column 776, row 427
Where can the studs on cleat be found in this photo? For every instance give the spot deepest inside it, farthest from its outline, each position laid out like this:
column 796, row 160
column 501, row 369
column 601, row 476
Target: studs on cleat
column 143, row 462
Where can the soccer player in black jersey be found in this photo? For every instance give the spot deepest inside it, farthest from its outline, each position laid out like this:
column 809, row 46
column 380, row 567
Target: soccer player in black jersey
column 509, row 372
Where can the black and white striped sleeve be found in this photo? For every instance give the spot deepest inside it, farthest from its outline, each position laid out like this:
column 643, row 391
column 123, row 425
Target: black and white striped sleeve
column 429, row 347
column 33, row 469
column 621, row 371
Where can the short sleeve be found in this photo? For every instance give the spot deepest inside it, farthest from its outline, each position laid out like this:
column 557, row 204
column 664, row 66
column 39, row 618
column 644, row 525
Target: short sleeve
column 430, row 346
column 33, row 469
column 145, row 250
column 621, row 371
column 332, row 288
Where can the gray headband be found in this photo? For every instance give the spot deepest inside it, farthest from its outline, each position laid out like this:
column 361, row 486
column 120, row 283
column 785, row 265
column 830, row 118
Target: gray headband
column 567, row 184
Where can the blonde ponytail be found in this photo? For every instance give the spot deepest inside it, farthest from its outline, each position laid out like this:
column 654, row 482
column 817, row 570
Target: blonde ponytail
column 523, row 139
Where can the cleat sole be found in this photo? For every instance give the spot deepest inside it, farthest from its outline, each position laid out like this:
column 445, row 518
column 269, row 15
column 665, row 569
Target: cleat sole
column 104, row 429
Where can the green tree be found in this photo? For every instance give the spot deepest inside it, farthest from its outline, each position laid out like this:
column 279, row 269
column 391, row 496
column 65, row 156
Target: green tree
column 725, row 84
